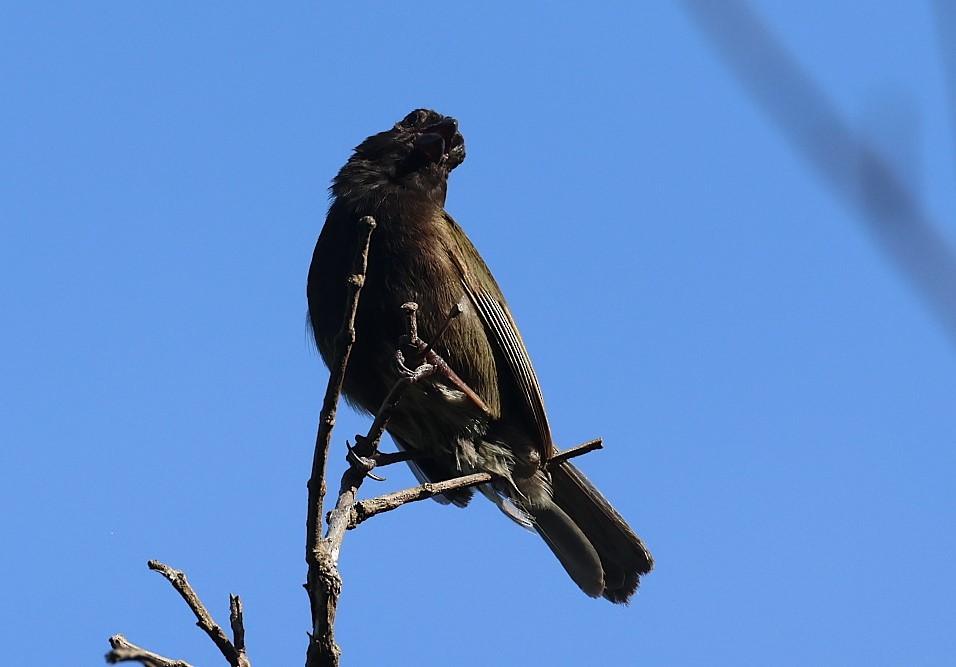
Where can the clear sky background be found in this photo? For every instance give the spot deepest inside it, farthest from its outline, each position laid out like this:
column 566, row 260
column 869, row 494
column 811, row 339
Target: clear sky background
column 777, row 402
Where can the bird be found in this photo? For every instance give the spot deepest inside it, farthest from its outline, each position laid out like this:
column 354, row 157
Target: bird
column 486, row 414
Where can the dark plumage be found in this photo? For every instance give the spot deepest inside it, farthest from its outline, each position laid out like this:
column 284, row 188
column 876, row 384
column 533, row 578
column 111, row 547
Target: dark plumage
column 419, row 253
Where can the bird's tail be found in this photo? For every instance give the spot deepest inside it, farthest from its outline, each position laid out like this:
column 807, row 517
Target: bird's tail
column 593, row 542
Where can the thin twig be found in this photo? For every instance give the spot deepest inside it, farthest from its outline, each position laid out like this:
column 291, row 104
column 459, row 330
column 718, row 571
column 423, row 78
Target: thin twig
column 388, row 458
column 366, row 509
column 323, row 582
column 410, row 310
column 379, row 459
column 416, row 349
column 577, row 450
column 126, row 651
column 203, row 618
column 456, row 310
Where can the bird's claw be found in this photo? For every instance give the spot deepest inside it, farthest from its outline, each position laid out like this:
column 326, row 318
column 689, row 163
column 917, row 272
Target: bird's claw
column 364, row 464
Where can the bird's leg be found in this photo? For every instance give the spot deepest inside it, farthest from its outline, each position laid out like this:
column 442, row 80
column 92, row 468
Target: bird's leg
column 363, row 457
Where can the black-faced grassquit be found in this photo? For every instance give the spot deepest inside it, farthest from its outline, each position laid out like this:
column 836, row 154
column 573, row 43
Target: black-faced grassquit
column 419, row 253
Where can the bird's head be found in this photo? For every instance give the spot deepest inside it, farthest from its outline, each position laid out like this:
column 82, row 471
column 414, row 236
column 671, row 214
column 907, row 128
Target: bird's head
column 417, row 153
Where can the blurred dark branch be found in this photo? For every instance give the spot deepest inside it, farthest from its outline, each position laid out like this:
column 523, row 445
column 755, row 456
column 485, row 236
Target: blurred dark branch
column 945, row 11
column 853, row 168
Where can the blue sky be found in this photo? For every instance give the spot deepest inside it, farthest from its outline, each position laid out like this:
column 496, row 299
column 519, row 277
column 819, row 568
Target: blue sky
column 776, row 400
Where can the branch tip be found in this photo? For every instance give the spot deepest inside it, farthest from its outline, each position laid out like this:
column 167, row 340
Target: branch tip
column 577, row 450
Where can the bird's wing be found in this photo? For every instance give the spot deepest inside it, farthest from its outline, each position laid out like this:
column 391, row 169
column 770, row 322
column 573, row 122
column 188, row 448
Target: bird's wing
column 489, row 303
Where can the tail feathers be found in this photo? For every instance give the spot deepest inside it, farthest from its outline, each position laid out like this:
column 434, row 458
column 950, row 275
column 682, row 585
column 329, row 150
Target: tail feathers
column 591, row 540
column 572, row 548
column 622, row 556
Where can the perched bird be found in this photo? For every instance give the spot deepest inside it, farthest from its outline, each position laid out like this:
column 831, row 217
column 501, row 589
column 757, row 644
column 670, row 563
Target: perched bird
column 487, row 414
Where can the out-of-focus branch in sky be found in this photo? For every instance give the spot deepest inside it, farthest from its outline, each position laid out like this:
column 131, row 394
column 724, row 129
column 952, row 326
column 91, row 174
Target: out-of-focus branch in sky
column 851, row 166
column 945, row 11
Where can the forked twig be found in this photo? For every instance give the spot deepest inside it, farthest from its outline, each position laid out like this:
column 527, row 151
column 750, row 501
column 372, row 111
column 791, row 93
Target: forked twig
column 234, row 653
column 203, row 618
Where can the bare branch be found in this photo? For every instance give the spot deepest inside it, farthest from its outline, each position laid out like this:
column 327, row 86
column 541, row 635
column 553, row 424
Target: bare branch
column 343, row 349
column 323, row 582
column 366, row 509
column 126, row 651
